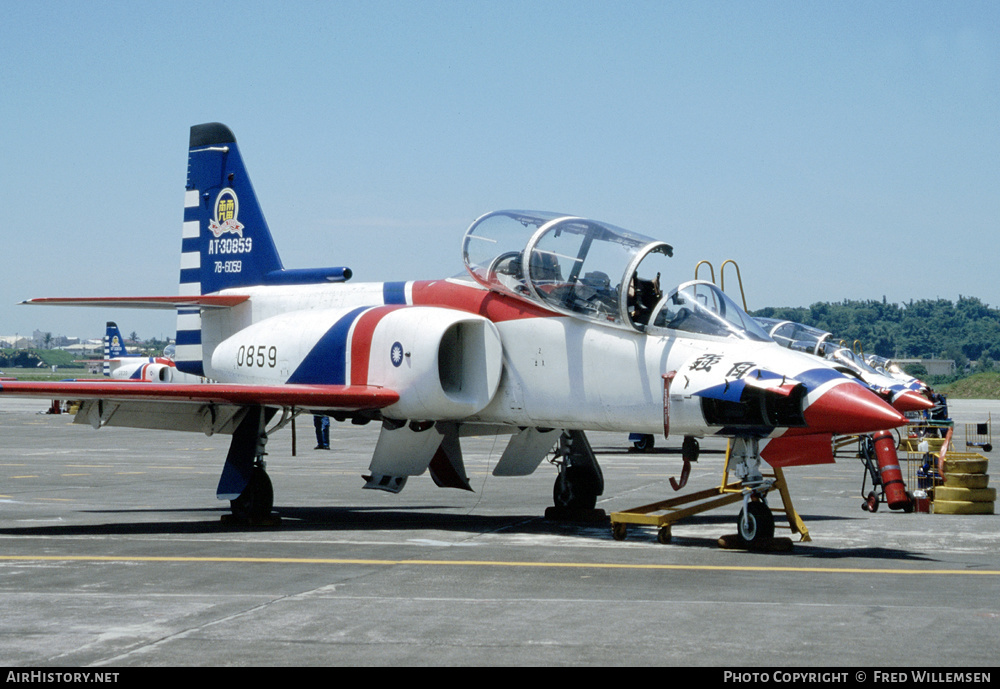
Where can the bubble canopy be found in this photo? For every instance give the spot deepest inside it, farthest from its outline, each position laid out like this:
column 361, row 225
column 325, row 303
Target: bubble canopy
column 802, row 338
column 572, row 265
column 701, row 308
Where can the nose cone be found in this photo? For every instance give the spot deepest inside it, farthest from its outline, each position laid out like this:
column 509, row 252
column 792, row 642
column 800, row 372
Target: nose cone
column 911, row 401
column 849, row 409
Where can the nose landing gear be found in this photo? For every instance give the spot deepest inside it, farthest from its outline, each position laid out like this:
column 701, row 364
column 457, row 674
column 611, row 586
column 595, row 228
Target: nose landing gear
column 755, row 525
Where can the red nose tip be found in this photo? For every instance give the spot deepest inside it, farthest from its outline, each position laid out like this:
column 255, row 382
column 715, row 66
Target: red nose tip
column 911, row 401
column 848, row 408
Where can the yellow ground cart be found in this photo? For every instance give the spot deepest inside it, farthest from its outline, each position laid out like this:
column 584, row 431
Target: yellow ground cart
column 664, row 514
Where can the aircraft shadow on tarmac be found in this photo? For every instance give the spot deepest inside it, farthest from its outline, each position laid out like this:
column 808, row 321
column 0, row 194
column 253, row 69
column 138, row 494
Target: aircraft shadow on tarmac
column 326, row 518
column 416, row 518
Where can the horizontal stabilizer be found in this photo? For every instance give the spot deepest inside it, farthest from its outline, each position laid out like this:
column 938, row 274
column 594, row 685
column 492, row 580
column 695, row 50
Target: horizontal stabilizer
column 332, row 397
column 168, row 303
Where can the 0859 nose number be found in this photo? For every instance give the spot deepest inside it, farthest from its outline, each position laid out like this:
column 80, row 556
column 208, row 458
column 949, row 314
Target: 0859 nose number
column 261, row 356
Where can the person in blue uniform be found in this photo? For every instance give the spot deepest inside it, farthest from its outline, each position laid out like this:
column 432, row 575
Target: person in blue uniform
column 322, row 424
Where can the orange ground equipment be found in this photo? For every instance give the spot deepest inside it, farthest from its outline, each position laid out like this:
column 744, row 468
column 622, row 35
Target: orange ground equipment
column 890, row 473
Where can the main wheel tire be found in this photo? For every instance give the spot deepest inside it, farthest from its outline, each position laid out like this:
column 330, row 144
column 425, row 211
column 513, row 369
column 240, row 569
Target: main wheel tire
column 690, row 449
column 644, row 443
column 257, row 499
column 572, row 490
column 759, row 527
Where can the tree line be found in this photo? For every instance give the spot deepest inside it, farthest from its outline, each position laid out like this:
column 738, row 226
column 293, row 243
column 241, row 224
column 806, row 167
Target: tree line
column 967, row 331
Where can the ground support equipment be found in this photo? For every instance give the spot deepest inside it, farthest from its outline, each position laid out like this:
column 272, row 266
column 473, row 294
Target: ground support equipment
column 953, row 482
column 965, row 486
column 980, row 434
column 664, row 514
column 879, row 455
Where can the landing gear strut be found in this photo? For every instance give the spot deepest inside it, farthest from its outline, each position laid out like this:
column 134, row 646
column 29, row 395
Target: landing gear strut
column 580, row 479
column 244, row 481
column 755, row 525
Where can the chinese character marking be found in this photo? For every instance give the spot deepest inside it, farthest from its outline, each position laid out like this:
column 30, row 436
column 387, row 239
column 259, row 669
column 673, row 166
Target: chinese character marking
column 705, row 362
column 740, row 369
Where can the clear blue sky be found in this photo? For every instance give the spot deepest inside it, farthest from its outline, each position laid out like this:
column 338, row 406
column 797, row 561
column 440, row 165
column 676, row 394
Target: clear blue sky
column 836, row 150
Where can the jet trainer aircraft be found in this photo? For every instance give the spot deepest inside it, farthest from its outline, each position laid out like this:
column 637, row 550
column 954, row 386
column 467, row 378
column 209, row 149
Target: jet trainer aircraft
column 560, row 326
column 904, row 396
column 121, row 365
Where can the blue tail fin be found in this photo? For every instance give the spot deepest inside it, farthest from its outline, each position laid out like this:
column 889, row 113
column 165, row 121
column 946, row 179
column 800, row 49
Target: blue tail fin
column 114, row 345
column 226, row 241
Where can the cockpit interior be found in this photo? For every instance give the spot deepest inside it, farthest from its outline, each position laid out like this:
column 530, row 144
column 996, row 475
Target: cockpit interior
column 596, row 271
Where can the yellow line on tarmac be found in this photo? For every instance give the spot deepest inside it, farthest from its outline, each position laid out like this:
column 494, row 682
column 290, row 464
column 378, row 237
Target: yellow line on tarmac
column 492, row 563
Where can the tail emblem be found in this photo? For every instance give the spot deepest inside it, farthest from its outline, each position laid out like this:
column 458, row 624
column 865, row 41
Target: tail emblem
column 227, row 206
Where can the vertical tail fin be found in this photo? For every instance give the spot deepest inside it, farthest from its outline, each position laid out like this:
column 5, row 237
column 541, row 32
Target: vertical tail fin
column 114, row 345
column 225, row 242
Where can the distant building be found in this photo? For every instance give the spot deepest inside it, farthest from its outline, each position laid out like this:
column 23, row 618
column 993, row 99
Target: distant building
column 934, row 367
column 89, row 348
column 15, row 342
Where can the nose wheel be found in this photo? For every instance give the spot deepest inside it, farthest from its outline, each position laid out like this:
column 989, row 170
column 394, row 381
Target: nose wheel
column 755, row 525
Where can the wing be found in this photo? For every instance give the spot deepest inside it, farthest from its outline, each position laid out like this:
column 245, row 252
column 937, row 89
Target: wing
column 209, row 407
column 166, row 303
column 332, row 397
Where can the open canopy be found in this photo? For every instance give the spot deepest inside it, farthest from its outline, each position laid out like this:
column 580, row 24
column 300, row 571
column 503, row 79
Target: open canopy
column 571, row 265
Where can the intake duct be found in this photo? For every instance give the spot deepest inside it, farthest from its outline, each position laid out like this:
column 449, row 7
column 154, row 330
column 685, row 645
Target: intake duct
column 757, row 407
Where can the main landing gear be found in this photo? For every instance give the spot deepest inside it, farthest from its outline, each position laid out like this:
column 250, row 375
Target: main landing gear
column 580, row 480
column 244, row 481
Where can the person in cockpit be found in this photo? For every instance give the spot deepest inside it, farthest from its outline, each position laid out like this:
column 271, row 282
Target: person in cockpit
column 544, row 269
column 643, row 296
column 594, row 295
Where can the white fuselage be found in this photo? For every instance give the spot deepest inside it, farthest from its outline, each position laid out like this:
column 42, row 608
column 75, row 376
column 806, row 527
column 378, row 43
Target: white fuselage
column 557, row 371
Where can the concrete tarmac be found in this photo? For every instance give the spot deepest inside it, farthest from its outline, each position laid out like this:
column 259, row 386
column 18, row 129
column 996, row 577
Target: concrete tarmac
column 113, row 554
